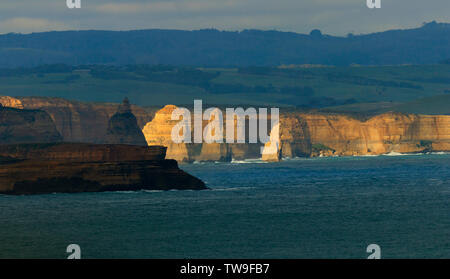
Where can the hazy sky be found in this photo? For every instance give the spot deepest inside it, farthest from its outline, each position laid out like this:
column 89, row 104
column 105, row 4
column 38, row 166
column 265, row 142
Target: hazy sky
column 337, row 17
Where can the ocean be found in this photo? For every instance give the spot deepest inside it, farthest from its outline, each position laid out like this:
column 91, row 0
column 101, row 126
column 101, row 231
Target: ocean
column 299, row 208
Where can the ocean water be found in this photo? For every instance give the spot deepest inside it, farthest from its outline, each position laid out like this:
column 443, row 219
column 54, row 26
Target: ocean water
column 299, row 208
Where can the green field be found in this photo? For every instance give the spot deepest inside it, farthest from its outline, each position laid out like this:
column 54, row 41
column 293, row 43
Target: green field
column 409, row 88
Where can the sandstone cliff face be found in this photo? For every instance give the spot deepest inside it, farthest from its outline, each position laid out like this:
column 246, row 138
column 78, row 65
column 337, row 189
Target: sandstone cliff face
column 390, row 132
column 10, row 102
column 294, row 136
column 159, row 132
column 26, row 126
column 82, row 122
column 305, row 134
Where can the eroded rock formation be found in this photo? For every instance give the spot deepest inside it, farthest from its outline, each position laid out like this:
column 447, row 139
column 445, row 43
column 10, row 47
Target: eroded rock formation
column 123, row 127
column 82, row 122
column 159, row 132
column 391, row 132
column 315, row 134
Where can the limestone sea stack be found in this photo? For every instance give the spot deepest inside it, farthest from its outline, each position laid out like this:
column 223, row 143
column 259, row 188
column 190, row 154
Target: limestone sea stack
column 76, row 167
column 123, row 127
column 159, row 132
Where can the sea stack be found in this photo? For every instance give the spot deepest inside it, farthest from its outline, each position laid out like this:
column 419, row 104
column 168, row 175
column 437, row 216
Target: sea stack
column 123, row 127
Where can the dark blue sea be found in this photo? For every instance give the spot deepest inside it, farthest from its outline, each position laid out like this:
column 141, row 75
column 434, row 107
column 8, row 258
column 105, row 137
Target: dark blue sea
column 299, row 208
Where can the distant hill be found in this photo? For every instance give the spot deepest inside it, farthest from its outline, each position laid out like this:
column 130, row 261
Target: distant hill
column 425, row 45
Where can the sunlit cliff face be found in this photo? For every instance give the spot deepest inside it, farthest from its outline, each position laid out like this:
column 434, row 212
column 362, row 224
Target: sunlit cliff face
column 304, row 134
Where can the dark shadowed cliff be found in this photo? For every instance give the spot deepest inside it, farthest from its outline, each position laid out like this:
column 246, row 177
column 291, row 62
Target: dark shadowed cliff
column 26, row 126
column 74, row 168
column 81, row 122
column 123, row 127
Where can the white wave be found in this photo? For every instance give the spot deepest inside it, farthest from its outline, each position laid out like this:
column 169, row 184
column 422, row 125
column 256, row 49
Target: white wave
column 295, row 158
column 248, row 161
column 393, row 153
column 233, row 189
column 122, row 192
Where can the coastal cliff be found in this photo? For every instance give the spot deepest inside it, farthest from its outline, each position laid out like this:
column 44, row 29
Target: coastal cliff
column 25, row 126
column 159, row 132
column 80, row 122
column 390, row 132
column 301, row 134
column 73, row 168
column 10, row 102
column 316, row 134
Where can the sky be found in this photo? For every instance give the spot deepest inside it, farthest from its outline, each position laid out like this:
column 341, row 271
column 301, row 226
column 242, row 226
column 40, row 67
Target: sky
column 334, row 17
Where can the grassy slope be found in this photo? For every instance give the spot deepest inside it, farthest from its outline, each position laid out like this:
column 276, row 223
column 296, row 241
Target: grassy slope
column 431, row 105
column 433, row 80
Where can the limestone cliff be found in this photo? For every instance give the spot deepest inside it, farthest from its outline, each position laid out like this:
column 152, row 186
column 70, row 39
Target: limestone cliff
column 391, row 132
column 82, row 122
column 301, row 134
column 10, row 102
column 159, row 132
column 26, row 126
column 315, row 134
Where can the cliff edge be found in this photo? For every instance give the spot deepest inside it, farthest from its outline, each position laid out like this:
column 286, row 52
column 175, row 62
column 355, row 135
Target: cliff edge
column 73, row 168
